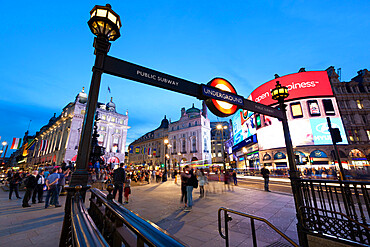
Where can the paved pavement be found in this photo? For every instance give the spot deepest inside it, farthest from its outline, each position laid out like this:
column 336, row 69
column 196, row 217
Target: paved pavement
column 160, row 204
column 34, row 226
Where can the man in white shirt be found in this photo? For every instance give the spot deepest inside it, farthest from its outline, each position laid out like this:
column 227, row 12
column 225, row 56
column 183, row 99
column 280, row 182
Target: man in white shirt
column 39, row 190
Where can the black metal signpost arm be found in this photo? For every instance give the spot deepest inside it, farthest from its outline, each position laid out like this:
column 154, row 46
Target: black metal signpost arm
column 127, row 70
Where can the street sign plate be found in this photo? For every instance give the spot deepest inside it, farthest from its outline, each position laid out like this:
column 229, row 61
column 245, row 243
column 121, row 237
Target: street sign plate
column 121, row 68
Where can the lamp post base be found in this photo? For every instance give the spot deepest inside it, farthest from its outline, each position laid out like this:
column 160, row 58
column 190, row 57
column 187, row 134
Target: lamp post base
column 79, row 177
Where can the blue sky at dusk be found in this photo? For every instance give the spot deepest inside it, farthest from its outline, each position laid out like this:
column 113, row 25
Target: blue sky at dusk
column 47, row 54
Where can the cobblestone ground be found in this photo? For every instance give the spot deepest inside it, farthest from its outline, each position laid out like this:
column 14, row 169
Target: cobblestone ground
column 34, row 226
column 160, row 203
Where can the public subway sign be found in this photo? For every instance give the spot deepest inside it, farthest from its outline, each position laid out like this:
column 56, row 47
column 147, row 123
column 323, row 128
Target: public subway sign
column 220, row 96
column 300, row 85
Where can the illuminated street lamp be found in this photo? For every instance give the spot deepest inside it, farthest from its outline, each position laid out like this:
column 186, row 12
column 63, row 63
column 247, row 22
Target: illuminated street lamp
column 280, row 93
column 222, row 127
column 166, row 156
column 105, row 24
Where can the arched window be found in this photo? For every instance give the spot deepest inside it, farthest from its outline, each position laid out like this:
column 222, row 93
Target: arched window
column 174, row 146
column 205, row 145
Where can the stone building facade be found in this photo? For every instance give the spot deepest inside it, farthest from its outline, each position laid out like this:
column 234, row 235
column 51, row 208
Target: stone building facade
column 188, row 138
column 219, row 137
column 58, row 141
column 353, row 99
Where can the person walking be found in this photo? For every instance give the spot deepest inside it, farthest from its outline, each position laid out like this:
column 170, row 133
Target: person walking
column 119, row 177
column 184, row 180
column 127, row 190
column 202, row 180
column 175, row 175
column 51, row 183
column 30, row 184
column 265, row 174
column 14, row 181
column 189, row 189
column 39, row 190
column 235, row 178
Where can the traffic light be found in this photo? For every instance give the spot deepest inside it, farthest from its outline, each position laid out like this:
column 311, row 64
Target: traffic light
column 335, row 134
column 162, row 165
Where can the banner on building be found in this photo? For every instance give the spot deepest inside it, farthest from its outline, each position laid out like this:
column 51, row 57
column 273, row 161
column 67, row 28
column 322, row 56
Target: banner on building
column 137, row 150
column 154, row 151
column 131, row 149
column 16, row 144
column 44, row 144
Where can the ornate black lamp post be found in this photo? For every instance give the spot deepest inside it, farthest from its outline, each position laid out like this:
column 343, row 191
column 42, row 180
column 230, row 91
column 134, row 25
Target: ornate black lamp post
column 280, row 93
column 105, row 24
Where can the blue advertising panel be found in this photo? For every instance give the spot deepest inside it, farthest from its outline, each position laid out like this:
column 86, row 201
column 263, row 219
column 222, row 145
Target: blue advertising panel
column 243, row 125
column 320, row 130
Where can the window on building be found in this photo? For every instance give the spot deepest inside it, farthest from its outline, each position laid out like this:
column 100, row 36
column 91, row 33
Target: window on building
column 205, row 144
column 83, row 112
column 189, row 124
column 178, row 127
column 103, row 117
column 174, row 146
column 183, row 146
column 103, row 128
column 350, row 135
column 196, row 123
column 296, row 109
column 194, row 144
column 368, row 134
column 121, row 121
column 356, row 135
column 359, row 104
column 116, row 131
column 101, row 139
column 328, row 107
column 313, row 107
column 113, row 119
column 364, row 119
column 219, row 154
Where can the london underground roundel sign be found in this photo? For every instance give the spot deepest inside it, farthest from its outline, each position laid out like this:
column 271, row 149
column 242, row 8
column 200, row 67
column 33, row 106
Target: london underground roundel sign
column 217, row 107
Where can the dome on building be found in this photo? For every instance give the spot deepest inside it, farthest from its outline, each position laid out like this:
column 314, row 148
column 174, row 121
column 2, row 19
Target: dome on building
column 192, row 110
column 82, row 96
column 164, row 123
column 111, row 106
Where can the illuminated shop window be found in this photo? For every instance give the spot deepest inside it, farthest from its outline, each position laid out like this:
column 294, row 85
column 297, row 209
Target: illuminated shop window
column 313, row 107
column 296, row 110
column 328, row 107
column 359, row 104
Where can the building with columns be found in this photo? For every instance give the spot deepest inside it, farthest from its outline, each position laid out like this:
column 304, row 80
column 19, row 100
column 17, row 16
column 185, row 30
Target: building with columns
column 58, row 141
column 353, row 99
column 189, row 140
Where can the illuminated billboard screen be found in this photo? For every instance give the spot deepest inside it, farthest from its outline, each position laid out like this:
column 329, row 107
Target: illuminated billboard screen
column 243, row 125
column 310, row 101
column 312, row 83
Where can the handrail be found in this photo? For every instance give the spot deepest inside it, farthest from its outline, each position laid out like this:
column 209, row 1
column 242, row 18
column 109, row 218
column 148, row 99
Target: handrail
column 150, row 233
column 84, row 230
column 252, row 217
column 350, row 182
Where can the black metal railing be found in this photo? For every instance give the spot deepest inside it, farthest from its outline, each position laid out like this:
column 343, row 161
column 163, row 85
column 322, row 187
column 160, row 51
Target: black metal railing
column 120, row 226
column 340, row 209
column 78, row 227
column 227, row 218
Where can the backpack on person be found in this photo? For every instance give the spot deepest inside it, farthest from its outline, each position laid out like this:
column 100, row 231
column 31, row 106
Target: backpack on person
column 193, row 181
